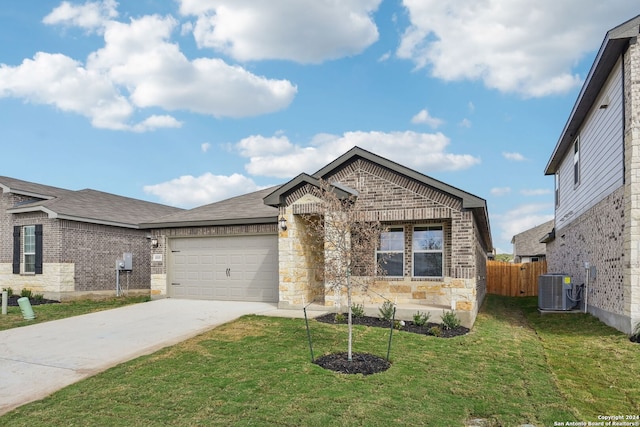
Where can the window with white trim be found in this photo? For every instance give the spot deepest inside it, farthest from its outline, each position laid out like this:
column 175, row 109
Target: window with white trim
column 29, row 248
column 428, row 251
column 390, row 256
column 576, row 162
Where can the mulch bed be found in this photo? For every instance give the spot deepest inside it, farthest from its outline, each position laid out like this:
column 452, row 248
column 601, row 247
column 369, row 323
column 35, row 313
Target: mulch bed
column 365, row 363
column 12, row 301
column 409, row 325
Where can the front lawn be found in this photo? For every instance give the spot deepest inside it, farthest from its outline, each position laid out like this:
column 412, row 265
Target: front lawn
column 514, row 367
column 46, row 312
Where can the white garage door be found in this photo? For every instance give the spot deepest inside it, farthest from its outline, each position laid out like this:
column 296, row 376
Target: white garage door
column 238, row 268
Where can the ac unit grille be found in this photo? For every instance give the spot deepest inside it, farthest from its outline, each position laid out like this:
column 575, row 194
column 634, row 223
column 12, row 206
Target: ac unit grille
column 552, row 292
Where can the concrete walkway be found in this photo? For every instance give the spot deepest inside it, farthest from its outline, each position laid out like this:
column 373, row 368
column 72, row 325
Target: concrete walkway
column 39, row 359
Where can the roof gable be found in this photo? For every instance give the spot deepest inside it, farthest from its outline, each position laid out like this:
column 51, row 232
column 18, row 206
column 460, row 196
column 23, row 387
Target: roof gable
column 614, row 44
column 84, row 205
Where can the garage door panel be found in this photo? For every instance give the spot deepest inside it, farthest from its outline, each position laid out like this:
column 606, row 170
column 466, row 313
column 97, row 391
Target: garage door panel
column 243, row 268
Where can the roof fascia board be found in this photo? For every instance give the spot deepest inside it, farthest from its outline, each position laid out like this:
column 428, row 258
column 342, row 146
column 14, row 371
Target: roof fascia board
column 206, row 223
column 276, row 198
column 7, row 189
column 54, row 215
column 604, row 62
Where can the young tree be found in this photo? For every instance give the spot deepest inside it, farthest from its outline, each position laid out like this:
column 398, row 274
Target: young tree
column 349, row 239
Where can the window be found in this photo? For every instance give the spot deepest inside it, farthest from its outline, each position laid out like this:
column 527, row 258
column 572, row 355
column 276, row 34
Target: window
column 29, row 248
column 576, row 162
column 390, row 256
column 428, row 246
column 557, row 184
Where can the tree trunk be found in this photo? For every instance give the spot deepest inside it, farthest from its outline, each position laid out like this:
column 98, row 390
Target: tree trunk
column 350, row 323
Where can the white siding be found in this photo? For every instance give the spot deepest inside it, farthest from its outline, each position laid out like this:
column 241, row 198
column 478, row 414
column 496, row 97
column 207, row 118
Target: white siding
column 601, row 155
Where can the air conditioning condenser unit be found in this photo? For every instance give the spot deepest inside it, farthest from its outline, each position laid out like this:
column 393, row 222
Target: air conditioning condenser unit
column 554, row 291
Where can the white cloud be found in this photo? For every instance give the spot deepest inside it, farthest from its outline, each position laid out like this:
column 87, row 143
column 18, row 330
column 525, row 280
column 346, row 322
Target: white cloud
column 384, row 57
column 510, row 45
column 420, row 151
column 189, row 191
column 516, row 157
column 536, row 192
column 306, row 31
column 205, row 147
column 424, row 117
column 522, row 218
column 138, row 68
column 500, row 191
column 471, row 107
column 465, row 123
column 90, row 16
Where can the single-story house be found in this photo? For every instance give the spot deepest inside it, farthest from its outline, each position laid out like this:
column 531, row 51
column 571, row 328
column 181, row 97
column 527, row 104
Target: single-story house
column 65, row 244
column 236, row 250
column 528, row 247
column 596, row 165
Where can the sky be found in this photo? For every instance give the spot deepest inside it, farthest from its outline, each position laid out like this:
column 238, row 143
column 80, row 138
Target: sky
column 188, row 102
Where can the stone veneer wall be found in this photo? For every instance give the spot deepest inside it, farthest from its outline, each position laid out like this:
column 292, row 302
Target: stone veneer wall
column 159, row 267
column 631, row 266
column 395, row 201
column 596, row 237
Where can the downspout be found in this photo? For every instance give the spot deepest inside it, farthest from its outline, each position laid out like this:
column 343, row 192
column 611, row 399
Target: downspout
column 586, row 285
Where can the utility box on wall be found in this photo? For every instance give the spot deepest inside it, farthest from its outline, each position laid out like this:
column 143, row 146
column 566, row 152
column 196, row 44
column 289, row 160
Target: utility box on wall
column 127, row 257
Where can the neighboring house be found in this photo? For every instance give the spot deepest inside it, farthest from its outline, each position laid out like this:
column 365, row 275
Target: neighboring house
column 527, row 246
column 235, row 249
column 596, row 164
column 64, row 243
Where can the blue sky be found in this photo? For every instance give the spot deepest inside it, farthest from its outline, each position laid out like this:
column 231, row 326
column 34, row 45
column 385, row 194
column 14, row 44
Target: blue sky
column 186, row 102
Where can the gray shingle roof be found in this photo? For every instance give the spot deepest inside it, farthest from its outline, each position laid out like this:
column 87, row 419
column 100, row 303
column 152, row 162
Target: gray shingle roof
column 31, row 189
column 244, row 209
column 85, row 205
column 528, row 243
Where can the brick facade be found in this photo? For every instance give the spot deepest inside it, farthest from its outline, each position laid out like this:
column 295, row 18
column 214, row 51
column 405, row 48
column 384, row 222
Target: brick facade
column 394, row 200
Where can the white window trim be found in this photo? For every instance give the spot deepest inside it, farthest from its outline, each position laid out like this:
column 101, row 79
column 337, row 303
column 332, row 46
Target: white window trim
column 378, row 251
column 577, row 172
column 24, row 249
column 441, row 251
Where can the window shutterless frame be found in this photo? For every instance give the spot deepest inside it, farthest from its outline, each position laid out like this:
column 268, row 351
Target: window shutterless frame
column 428, row 251
column 390, row 255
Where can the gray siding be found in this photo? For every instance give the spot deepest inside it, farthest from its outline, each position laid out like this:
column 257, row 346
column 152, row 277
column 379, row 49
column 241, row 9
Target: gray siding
column 601, row 155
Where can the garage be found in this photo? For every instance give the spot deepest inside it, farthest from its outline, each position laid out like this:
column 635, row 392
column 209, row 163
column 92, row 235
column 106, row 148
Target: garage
column 233, row 268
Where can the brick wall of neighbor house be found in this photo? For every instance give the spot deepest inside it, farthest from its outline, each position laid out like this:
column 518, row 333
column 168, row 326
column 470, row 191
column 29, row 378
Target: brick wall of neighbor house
column 158, row 268
column 596, row 237
column 94, row 249
column 56, row 275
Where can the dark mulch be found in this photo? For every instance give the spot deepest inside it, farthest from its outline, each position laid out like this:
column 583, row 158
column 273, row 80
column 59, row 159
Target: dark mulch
column 13, row 301
column 635, row 338
column 409, row 325
column 361, row 363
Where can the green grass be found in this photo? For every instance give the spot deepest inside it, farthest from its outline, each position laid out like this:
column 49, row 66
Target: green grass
column 46, row 312
column 514, row 367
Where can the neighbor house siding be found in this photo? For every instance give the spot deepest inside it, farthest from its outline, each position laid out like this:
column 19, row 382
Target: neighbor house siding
column 601, row 155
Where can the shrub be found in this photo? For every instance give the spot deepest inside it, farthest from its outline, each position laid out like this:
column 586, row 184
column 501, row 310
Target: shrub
column 340, row 318
column 435, row 331
column 26, row 293
column 357, row 310
column 398, row 324
column 450, row 320
column 9, row 291
column 421, row 319
column 635, row 336
column 386, row 311
column 38, row 297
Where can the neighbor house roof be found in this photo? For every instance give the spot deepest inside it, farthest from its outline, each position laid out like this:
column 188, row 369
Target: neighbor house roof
column 244, row 209
column 84, row 205
column 30, row 189
column 614, row 44
column 528, row 242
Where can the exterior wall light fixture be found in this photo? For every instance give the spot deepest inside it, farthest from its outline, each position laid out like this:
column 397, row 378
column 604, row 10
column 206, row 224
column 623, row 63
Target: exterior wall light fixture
column 154, row 242
column 282, row 223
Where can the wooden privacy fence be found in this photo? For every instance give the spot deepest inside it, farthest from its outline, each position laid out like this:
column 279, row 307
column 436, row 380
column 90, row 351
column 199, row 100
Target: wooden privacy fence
column 514, row 280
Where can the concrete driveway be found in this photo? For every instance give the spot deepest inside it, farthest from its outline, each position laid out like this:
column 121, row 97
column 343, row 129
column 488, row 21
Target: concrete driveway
column 39, row 359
